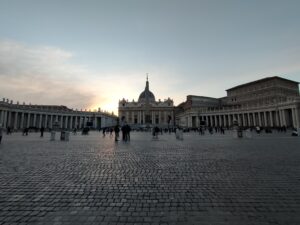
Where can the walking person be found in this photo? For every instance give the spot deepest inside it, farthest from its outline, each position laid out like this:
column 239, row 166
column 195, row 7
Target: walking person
column 127, row 132
column 8, row 130
column 117, row 131
column 42, row 131
column 103, row 131
column 1, row 133
column 124, row 137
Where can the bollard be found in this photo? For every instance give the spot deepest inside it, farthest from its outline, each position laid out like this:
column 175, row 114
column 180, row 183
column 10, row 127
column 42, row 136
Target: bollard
column 248, row 133
column 52, row 136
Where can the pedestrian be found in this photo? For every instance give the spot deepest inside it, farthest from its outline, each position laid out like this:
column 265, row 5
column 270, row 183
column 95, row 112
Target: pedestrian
column 123, row 129
column 1, row 132
column 127, row 132
column 42, row 131
column 222, row 130
column 103, row 131
column 8, row 130
column 117, row 130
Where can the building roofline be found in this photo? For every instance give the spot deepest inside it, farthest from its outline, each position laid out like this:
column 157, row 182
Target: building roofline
column 201, row 96
column 263, row 79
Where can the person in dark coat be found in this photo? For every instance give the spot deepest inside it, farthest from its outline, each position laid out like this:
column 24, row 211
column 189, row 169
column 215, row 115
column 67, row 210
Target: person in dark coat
column 117, row 131
column 42, row 131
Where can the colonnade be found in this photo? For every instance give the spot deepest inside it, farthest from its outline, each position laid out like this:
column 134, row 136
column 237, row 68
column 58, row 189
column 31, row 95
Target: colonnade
column 157, row 117
column 288, row 117
column 17, row 119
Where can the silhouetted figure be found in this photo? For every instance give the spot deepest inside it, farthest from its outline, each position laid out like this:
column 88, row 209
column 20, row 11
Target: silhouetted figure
column 103, row 131
column 75, row 131
column 42, row 131
column 126, row 132
column 222, row 130
column 8, row 130
column 117, row 131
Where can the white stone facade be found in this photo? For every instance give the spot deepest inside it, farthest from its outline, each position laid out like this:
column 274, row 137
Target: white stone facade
column 269, row 102
column 19, row 116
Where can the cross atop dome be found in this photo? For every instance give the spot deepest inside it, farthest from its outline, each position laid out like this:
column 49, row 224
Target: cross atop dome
column 146, row 95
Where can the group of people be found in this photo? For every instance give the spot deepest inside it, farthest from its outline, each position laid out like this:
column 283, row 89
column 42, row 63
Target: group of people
column 125, row 129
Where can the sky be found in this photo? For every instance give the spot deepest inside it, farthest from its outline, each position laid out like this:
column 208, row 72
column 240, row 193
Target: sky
column 89, row 54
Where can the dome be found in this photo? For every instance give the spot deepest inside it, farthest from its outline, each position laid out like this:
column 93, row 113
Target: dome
column 146, row 95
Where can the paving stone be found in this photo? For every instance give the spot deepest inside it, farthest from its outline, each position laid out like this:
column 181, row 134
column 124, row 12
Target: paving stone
column 211, row 179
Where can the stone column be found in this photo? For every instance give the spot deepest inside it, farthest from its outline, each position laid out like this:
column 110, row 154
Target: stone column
column 5, row 119
column 127, row 117
column 210, row 121
column 246, row 122
column 61, row 121
column 249, row 121
column 22, row 121
column 40, row 121
column 297, row 117
column 16, row 121
column 9, row 119
column 80, row 121
column 229, row 120
column 259, row 119
column 153, row 117
column 46, row 121
column 271, row 119
column 66, row 122
column 283, row 117
column 277, row 118
column 71, row 122
column 255, row 122
column 95, row 124
column 51, row 121
column 280, row 118
column 34, row 120
column 28, row 120
column 1, row 117
column 265, row 119
column 76, row 122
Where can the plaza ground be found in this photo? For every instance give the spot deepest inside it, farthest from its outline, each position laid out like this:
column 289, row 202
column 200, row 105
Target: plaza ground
column 210, row 180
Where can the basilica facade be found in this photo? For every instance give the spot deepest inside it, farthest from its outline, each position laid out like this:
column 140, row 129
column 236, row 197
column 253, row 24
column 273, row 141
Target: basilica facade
column 147, row 111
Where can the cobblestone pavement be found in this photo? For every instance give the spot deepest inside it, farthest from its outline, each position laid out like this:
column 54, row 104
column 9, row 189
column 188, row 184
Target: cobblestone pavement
column 210, row 180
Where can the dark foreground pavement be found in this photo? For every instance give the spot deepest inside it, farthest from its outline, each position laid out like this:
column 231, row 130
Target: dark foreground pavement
column 210, row 180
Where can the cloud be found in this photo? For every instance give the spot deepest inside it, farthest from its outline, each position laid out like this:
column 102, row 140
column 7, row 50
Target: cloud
column 43, row 75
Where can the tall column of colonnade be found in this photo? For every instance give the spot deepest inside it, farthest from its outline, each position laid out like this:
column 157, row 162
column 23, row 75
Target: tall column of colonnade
column 141, row 116
column 269, row 118
column 17, row 119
